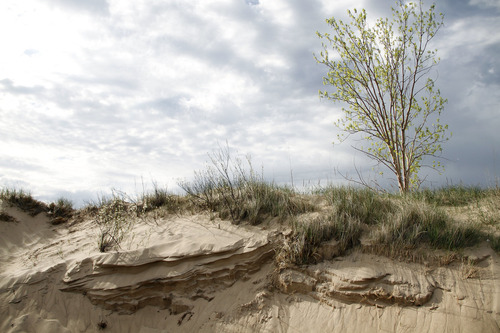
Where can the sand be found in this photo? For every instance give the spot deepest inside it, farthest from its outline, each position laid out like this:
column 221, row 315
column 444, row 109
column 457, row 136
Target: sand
column 194, row 273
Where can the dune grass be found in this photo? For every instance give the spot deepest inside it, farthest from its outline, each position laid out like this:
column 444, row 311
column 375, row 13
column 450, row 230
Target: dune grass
column 115, row 215
column 23, row 200
column 235, row 191
column 416, row 223
column 113, row 218
column 59, row 211
column 308, row 236
column 389, row 224
column 159, row 199
column 452, row 195
column 394, row 225
column 7, row 218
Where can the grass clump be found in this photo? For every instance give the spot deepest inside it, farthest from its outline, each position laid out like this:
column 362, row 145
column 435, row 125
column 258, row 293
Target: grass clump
column 452, row 195
column 160, row 198
column 349, row 212
column 261, row 199
column 494, row 242
column 112, row 217
column 379, row 223
column 60, row 211
column 23, row 200
column 417, row 223
column 235, row 191
column 7, row 218
column 304, row 246
column 361, row 204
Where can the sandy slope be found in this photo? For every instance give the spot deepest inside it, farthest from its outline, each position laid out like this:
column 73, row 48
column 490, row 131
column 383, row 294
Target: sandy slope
column 188, row 274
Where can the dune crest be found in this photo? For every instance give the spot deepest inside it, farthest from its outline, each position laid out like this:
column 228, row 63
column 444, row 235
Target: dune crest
column 191, row 273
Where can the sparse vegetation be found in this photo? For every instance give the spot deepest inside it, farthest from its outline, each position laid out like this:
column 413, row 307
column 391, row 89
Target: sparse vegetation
column 307, row 237
column 23, row 200
column 236, row 191
column 6, row 217
column 395, row 225
column 160, row 198
column 449, row 219
column 363, row 204
column 60, row 211
column 388, row 224
column 452, row 195
column 113, row 218
column 416, row 223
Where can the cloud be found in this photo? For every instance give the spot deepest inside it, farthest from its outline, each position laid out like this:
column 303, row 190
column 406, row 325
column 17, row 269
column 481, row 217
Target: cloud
column 99, row 7
column 8, row 86
column 486, row 4
column 98, row 94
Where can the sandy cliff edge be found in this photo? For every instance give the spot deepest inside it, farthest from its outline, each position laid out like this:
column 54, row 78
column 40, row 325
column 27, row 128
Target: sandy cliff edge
column 188, row 274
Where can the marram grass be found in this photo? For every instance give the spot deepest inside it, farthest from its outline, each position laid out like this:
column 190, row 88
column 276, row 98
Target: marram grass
column 352, row 217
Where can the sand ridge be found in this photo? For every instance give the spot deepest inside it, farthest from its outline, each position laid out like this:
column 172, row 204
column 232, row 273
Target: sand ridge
column 193, row 273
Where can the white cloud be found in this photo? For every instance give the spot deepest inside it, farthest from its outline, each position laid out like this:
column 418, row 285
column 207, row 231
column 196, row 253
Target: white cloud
column 470, row 35
column 96, row 94
column 486, row 3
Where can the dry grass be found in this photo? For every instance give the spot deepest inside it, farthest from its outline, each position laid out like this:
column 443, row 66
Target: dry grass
column 448, row 219
column 393, row 225
column 237, row 192
column 23, row 200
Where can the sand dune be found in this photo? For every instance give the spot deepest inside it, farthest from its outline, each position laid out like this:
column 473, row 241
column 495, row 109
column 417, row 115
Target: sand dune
column 196, row 274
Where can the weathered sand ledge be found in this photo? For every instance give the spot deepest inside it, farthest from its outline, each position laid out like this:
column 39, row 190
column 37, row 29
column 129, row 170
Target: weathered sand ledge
column 189, row 274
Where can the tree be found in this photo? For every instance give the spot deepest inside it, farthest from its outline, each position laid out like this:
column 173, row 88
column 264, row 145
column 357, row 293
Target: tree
column 382, row 75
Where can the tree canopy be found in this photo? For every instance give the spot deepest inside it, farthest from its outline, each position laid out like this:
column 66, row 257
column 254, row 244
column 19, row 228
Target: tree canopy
column 383, row 77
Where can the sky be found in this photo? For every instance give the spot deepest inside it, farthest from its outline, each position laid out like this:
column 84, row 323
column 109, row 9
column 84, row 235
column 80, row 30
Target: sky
column 117, row 94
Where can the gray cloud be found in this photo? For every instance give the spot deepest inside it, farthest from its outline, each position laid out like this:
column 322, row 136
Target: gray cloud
column 8, row 86
column 150, row 88
column 100, row 7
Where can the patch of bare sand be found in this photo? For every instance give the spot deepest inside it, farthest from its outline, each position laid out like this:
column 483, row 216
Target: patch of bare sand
column 191, row 274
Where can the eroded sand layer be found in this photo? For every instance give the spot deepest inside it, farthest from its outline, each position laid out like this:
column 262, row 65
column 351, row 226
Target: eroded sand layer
column 189, row 274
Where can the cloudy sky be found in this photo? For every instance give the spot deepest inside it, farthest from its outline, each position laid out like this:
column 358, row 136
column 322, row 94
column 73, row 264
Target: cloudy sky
column 104, row 94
